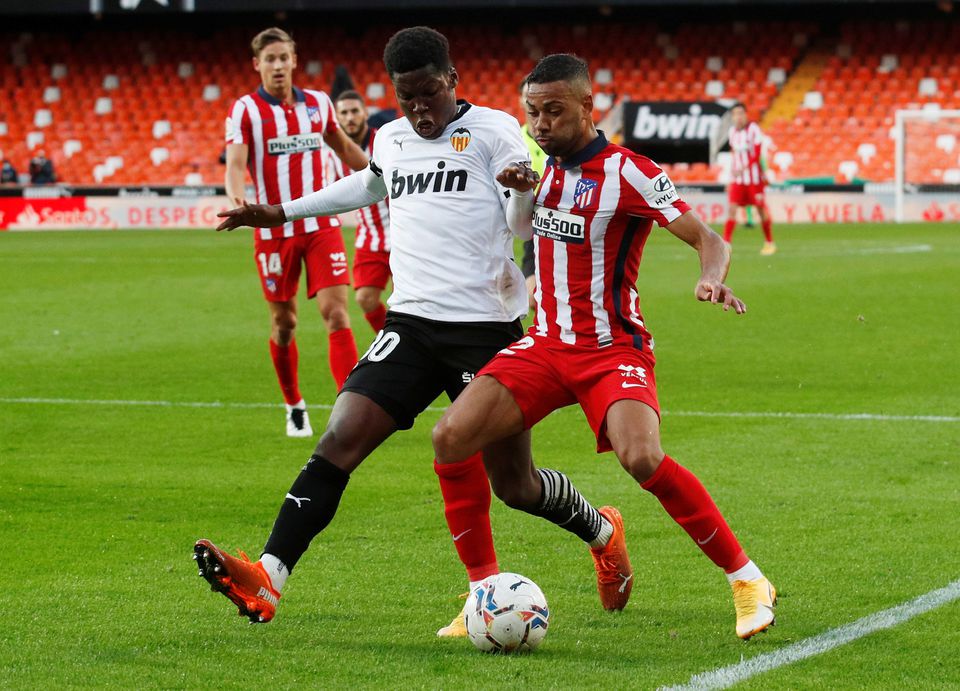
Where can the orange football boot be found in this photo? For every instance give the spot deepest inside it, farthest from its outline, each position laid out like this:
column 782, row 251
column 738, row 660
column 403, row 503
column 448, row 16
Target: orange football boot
column 614, row 573
column 244, row 583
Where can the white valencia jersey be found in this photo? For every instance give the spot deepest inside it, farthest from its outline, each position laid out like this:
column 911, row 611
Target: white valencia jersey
column 746, row 146
column 451, row 251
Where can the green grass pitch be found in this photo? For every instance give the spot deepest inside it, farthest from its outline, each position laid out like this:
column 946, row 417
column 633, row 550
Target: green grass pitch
column 100, row 503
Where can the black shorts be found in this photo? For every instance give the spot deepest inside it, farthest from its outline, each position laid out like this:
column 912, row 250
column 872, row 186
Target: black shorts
column 413, row 360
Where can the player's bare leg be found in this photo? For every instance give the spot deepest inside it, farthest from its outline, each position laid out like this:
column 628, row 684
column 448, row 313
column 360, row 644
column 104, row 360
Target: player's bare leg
column 486, row 416
column 374, row 311
column 285, row 356
column 342, row 351
column 634, row 432
column 769, row 246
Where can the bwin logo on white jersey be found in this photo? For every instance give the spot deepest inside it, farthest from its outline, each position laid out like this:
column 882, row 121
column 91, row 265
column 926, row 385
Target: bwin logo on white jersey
column 435, row 181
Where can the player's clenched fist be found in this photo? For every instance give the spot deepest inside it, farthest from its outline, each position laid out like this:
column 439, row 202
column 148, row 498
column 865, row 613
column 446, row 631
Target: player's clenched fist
column 519, row 176
column 253, row 215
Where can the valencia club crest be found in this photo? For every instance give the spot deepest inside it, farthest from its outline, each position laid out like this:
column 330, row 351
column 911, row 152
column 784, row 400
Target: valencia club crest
column 460, row 139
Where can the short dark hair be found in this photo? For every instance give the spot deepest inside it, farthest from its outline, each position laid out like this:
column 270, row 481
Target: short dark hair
column 560, row 67
column 415, row 48
column 272, row 35
column 349, row 95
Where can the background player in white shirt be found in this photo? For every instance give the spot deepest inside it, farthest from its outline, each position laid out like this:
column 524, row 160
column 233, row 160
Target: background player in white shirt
column 457, row 300
column 278, row 132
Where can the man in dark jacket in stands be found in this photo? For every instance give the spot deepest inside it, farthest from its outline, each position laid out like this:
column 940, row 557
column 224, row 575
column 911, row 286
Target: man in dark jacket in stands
column 8, row 174
column 41, row 170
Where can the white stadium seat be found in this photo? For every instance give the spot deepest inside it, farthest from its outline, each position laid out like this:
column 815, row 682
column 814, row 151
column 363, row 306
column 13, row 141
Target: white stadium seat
column 58, row 71
column 3, row 129
column 603, row 76
column 375, row 91
column 849, row 169
column 71, row 146
column 161, row 128
column 101, row 172
column 927, row 86
column 888, row 63
column 111, row 82
column 159, row 154
column 184, row 70
column 714, row 63
column 211, row 92
column 866, row 151
column 314, row 67
column 603, row 101
column 951, row 176
column 813, row 100
column 193, row 179
column 42, row 117
column 51, row 94
column 776, row 75
column 35, row 139
column 783, row 160
column 103, row 105
column 946, row 142
column 714, row 88
column 114, row 163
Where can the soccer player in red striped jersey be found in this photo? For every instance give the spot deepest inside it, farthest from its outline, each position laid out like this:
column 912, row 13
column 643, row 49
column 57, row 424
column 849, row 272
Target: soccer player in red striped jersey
column 747, row 188
column 371, row 258
column 594, row 210
column 277, row 133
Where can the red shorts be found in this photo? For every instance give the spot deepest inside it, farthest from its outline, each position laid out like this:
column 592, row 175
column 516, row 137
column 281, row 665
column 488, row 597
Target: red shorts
column 371, row 269
column 279, row 262
column 544, row 374
column 747, row 195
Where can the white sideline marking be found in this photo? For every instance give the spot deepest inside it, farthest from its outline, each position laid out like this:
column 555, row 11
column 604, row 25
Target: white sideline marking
column 439, row 409
column 902, row 249
column 725, row 677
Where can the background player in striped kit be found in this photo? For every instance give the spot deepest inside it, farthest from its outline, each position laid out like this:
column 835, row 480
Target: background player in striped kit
column 595, row 208
column 749, row 181
column 277, row 133
column 371, row 258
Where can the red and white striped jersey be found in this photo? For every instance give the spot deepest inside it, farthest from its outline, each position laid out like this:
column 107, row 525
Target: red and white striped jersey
column 286, row 150
column 746, row 145
column 592, row 217
column 373, row 222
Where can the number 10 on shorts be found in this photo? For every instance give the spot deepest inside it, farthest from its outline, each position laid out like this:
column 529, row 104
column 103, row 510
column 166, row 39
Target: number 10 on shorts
column 382, row 346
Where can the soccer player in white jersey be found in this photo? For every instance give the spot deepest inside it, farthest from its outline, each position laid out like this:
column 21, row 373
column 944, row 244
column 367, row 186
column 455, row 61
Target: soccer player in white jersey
column 749, row 181
column 371, row 257
column 595, row 207
column 277, row 133
column 457, row 300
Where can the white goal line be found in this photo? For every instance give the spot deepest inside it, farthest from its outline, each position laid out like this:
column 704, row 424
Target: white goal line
column 777, row 415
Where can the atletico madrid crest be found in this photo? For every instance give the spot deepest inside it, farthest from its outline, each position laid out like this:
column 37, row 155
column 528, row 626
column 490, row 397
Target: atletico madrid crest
column 460, row 139
column 583, row 193
column 314, row 114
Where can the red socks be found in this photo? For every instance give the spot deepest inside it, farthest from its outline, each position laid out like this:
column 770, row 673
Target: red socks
column 768, row 230
column 728, row 229
column 466, row 503
column 377, row 317
column 689, row 504
column 343, row 355
column 285, row 362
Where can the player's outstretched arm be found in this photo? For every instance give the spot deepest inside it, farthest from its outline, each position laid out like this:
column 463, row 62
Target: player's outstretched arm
column 520, row 179
column 350, row 193
column 714, row 261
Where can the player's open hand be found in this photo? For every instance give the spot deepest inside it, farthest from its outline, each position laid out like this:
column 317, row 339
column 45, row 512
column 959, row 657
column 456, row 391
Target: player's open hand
column 719, row 294
column 518, row 176
column 253, row 215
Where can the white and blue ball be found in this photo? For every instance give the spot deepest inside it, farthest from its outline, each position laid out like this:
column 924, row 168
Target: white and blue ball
column 507, row 613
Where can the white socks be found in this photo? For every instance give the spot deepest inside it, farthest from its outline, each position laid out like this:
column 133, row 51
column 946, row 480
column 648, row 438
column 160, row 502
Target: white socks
column 603, row 537
column 276, row 569
column 747, row 572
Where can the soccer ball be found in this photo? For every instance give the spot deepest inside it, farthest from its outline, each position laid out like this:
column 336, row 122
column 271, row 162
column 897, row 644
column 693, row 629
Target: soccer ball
column 506, row 612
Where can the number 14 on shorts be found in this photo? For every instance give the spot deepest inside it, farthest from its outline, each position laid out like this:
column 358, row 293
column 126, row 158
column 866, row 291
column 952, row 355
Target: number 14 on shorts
column 270, row 263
